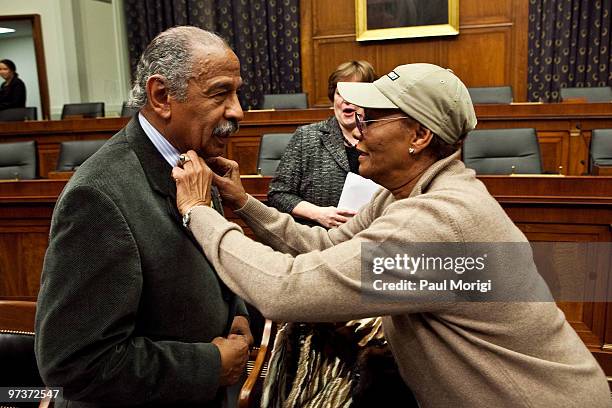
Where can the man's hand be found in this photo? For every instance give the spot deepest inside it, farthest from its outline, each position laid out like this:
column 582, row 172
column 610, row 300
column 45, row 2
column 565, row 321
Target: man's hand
column 193, row 182
column 240, row 326
column 226, row 177
column 234, row 353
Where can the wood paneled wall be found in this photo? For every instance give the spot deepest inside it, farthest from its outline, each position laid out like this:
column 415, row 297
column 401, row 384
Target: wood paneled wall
column 558, row 209
column 490, row 50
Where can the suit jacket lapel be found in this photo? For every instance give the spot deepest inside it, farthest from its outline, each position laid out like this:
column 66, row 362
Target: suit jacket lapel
column 156, row 168
column 159, row 175
column 157, row 171
column 334, row 143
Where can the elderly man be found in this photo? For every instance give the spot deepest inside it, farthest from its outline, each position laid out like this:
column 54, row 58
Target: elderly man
column 454, row 348
column 130, row 311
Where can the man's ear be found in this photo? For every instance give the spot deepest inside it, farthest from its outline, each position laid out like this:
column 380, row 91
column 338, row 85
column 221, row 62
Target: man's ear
column 158, row 96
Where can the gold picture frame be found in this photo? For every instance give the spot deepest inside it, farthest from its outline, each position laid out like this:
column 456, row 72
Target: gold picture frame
column 390, row 19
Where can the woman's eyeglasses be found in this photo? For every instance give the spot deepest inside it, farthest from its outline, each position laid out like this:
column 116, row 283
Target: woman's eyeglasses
column 362, row 124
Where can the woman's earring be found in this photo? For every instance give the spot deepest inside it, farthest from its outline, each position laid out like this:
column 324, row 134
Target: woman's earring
column 411, row 150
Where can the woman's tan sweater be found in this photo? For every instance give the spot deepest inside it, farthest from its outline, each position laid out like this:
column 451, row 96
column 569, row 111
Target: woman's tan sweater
column 451, row 353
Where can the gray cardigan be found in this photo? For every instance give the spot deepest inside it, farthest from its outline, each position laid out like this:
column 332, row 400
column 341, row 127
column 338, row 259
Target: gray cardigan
column 313, row 168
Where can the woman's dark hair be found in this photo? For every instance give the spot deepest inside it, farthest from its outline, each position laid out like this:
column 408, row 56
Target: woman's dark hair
column 439, row 149
column 362, row 71
column 10, row 64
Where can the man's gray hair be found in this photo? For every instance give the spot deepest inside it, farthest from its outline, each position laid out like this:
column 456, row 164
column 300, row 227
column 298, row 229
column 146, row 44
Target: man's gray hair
column 170, row 55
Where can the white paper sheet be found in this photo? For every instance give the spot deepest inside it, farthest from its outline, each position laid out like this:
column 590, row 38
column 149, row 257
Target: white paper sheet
column 357, row 192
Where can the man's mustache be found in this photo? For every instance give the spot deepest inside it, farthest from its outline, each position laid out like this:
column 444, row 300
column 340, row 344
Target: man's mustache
column 225, row 128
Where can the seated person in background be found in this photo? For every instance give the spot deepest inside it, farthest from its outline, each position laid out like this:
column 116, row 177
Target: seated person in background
column 311, row 173
column 130, row 311
column 12, row 90
column 511, row 347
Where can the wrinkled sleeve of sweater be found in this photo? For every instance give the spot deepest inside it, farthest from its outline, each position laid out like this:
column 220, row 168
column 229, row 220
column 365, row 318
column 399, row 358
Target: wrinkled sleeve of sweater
column 313, row 275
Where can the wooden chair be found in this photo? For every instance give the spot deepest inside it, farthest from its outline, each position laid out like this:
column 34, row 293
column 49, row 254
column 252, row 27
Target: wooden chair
column 257, row 368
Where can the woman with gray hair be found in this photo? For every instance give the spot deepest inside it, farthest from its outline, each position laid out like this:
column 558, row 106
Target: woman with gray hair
column 454, row 348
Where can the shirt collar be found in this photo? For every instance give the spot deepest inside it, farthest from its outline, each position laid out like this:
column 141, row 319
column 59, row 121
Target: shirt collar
column 163, row 146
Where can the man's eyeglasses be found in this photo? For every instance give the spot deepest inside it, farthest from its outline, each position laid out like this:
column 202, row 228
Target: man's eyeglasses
column 362, row 124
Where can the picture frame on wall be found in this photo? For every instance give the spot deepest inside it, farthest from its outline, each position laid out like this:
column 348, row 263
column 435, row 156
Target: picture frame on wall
column 388, row 19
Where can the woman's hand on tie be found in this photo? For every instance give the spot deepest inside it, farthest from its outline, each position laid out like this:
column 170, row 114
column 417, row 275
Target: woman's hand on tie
column 193, row 181
column 226, row 177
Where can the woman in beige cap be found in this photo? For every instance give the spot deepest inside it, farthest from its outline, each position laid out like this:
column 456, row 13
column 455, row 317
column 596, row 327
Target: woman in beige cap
column 452, row 348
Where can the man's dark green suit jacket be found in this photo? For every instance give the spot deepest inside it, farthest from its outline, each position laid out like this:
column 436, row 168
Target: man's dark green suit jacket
column 128, row 302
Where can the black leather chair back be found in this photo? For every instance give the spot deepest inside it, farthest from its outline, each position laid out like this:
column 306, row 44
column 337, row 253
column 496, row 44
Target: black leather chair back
column 271, row 150
column 18, row 360
column 495, row 151
column 127, row 112
column 73, row 154
column 285, row 101
column 600, row 152
column 18, row 160
column 491, row 94
column 594, row 94
column 17, row 346
column 86, row 110
column 18, row 114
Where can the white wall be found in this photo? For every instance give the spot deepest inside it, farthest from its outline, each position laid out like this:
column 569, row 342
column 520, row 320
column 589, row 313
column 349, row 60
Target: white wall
column 85, row 50
column 102, row 64
column 20, row 50
column 59, row 51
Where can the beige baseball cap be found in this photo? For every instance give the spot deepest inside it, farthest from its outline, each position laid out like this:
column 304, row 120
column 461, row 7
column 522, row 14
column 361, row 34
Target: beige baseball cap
column 430, row 94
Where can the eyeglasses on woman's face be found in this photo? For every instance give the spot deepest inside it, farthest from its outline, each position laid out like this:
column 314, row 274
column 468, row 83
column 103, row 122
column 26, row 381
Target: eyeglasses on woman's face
column 362, row 124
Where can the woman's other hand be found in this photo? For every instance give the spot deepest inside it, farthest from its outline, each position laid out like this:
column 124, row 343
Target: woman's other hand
column 193, row 180
column 229, row 184
column 329, row 217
